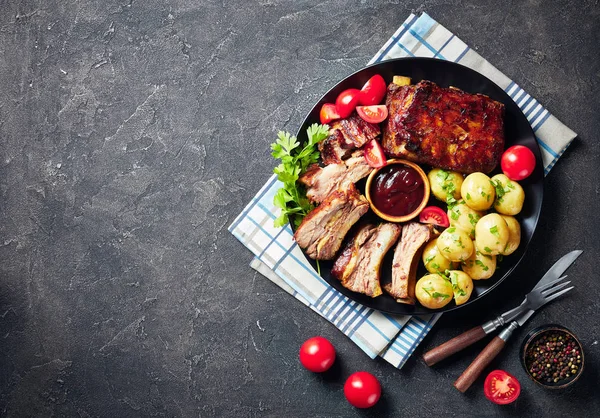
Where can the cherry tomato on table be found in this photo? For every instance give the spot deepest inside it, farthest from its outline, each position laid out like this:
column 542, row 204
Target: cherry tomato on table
column 501, row 387
column 434, row 215
column 373, row 91
column 374, row 154
column 362, row 390
column 517, row 162
column 328, row 113
column 346, row 102
column 317, row 354
column 372, row 114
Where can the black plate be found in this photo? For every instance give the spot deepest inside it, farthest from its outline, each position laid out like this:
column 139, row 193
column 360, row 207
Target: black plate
column 517, row 131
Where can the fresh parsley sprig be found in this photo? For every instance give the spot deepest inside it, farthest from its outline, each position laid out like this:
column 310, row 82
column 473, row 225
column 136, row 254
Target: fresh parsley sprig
column 291, row 197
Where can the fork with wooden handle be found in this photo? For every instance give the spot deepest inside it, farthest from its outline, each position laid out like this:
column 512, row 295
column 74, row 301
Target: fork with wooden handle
column 475, row 334
column 536, row 298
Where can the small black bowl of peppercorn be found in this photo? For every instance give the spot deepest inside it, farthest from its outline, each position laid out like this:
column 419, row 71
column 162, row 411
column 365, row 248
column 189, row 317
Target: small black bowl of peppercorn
column 552, row 356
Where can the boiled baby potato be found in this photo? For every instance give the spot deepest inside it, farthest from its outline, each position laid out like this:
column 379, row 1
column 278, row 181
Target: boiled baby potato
column 479, row 266
column 463, row 217
column 478, row 192
column 455, row 244
column 434, row 261
column 445, row 183
column 433, row 291
column 514, row 235
column 491, row 234
column 509, row 195
column 462, row 286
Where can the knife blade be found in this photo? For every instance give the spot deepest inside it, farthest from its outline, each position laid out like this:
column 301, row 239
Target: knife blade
column 473, row 335
column 553, row 273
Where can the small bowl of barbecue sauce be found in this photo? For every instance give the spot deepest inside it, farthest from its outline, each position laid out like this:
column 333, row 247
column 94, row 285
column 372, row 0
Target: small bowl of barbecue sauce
column 398, row 191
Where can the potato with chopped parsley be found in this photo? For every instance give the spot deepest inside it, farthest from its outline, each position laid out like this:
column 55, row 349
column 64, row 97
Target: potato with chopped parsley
column 462, row 286
column 455, row 244
column 509, row 195
column 463, row 217
column 434, row 261
column 514, row 235
column 445, row 185
column 433, row 291
column 479, row 266
column 478, row 192
column 491, row 234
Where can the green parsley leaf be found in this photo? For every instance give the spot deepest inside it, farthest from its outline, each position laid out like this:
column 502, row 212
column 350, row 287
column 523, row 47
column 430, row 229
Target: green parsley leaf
column 468, row 196
column 487, row 249
column 439, row 295
column 454, row 214
column 291, row 197
column 494, row 231
column 483, row 266
column 428, row 259
column 428, row 290
column 457, row 289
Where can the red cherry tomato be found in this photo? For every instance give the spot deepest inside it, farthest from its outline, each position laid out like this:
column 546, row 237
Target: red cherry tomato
column 328, row 113
column 372, row 114
column 362, row 390
column 373, row 91
column 317, row 354
column 346, row 102
column 501, row 388
column 374, row 154
column 434, row 215
column 517, row 162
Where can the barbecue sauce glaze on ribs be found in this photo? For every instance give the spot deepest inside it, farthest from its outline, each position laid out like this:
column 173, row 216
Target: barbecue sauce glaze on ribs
column 444, row 127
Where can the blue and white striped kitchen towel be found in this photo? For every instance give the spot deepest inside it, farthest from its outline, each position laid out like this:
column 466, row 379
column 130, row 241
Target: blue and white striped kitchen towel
column 392, row 337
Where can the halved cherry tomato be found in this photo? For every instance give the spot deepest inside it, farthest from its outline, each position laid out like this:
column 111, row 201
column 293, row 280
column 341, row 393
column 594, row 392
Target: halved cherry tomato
column 346, row 102
column 374, row 154
column 517, row 162
column 362, row 390
column 317, row 354
column 328, row 113
column 434, row 215
column 373, row 91
column 372, row 114
column 501, row 388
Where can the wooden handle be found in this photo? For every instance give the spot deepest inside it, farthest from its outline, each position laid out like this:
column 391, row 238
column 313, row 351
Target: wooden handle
column 484, row 358
column 453, row 346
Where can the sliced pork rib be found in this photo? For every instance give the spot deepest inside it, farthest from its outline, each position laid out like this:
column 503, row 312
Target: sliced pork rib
column 334, row 149
column 356, row 131
column 320, row 182
column 406, row 259
column 322, row 231
column 358, row 265
column 345, row 136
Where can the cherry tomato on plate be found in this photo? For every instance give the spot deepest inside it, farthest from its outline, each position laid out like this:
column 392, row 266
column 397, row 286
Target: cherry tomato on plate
column 362, row 390
column 434, row 215
column 517, row 162
column 328, row 113
column 501, row 387
column 346, row 102
column 374, row 154
column 373, row 91
column 372, row 114
column 317, row 354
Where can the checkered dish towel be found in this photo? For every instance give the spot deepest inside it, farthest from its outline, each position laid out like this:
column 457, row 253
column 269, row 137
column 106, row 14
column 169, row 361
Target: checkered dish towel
column 393, row 337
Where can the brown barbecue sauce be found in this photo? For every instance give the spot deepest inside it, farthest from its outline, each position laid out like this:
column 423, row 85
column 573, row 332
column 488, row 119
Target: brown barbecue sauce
column 397, row 190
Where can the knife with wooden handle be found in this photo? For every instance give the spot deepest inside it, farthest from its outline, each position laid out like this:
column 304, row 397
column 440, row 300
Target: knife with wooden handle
column 473, row 335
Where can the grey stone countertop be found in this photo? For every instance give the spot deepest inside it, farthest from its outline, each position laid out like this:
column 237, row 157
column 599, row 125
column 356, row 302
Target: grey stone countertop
column 132, row 132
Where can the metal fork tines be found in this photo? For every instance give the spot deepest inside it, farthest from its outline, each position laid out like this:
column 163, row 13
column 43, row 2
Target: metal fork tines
column 547, row 293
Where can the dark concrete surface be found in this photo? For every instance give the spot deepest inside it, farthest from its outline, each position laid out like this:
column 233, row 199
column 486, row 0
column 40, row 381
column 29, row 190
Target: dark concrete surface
column 132, row 132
